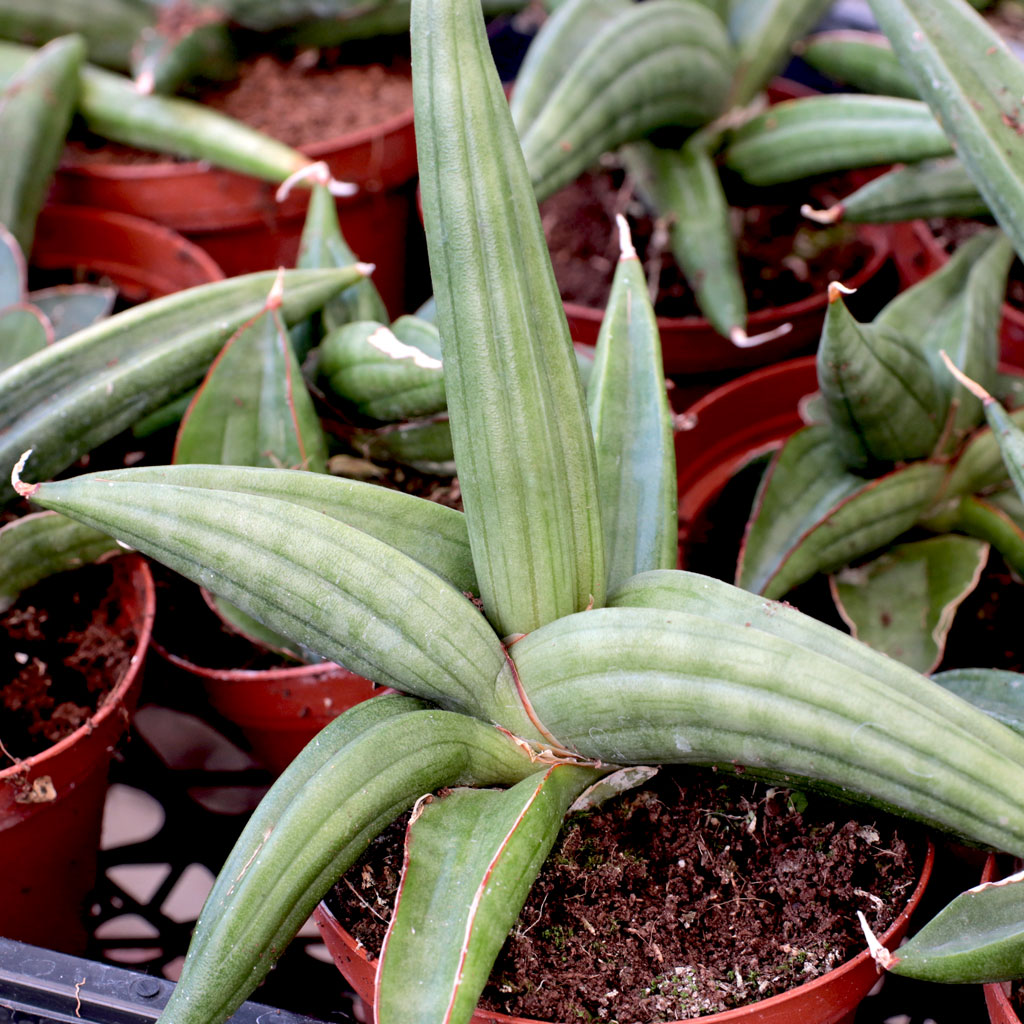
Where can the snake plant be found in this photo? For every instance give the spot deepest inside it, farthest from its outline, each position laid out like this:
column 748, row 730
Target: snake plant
column 590, row 651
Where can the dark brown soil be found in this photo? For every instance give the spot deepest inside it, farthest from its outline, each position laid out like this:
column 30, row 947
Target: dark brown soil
column 783, row 258
column 301, row 101
column 60, row 659
column 697, row 893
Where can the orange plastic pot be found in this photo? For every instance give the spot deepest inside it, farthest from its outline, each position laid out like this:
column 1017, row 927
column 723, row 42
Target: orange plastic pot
column 237, row 220
column 278, row 710
column 51, row 804
column 920, row 254
column 997, row 997
column 145, row 260
column 831, row 999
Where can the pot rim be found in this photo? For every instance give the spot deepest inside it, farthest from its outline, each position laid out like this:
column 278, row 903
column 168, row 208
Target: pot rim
column 141, row 579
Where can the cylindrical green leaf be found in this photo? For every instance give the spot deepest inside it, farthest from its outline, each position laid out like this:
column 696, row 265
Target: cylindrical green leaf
column 519, row 425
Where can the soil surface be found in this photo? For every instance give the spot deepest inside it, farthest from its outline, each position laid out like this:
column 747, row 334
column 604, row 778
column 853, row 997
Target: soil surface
column 60, row 659
column 307, row 99
column 783, row 257
column 695, row 894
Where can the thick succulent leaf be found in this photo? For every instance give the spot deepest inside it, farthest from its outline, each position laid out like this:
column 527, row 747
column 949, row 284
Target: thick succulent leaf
column 336, row 590
column 431, row 533
column 883, row 400
column 252, row 408
column 197, row 43
column 255, row 632
column 560, row 40
column 976, row 939
column 764, row 32
column 470, row 860
column 716, row 600
column 700, row 690
column 994, row 519
column 519, row 425
column 363, row 770
column 903, row 602
column 997, row 692
column 73, row 307
column 425, row 445
column 974, row 84
column 64, row 401
column 322, row 245
column 1010, row 439
column 387, row 373
column 632, row 422
column 39, row 545
column 684, row 186
column 810, row 515
column 863, row 60
column 24, row 330
column 13, row 271
column 36, row 107
column 821, row 134
column 929, row 188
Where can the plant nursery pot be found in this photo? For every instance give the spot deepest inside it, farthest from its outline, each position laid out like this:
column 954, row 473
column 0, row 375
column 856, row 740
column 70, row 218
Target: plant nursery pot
column 237, row 220
column 279, row 710
column 997, row 997
column 727, row 428
column 831, row 999
column 145, row 260
column 921, row 254
column 51, row 804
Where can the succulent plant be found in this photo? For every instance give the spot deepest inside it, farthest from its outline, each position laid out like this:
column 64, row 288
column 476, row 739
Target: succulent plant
column 590, row 652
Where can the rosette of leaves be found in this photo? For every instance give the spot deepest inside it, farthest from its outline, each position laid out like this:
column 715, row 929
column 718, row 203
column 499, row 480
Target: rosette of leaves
column 896, row 443
column 585, row 653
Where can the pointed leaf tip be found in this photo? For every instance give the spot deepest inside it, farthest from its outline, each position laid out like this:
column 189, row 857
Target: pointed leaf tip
column 626, row 249
column 25, row 490
column 276, row 294
column 835, row 289
column 827, row 216
column 882, row 957
column 319, row 174
column 741, row 339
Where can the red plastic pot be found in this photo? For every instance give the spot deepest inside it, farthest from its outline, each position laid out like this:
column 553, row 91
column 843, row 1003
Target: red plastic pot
column 279, row 710
column 48, row 847
column 237, row 220
column 145, row 260
column 831, row 999
column 730, row 426
column 997, row 997
column 920, row 254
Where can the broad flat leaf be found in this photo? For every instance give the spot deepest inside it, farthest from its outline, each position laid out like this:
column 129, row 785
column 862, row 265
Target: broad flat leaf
column 903, row 602
column 519, row 423
column 253, row 408
column 974, row 84
column 39, row 545
column 957, row 311
column 880, row 390
column 24, row 331
column 71, row 307
column 810, row 515
column 13, row 272
column 387, row 373
column 471, row 858
column 997, row 692
column 976, row 939
column 632, row 423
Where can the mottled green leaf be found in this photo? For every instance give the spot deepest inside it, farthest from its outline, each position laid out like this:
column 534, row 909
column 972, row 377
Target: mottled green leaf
column 903, row 602
column 24, row 330
column 72, row 307
column 997, row 692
